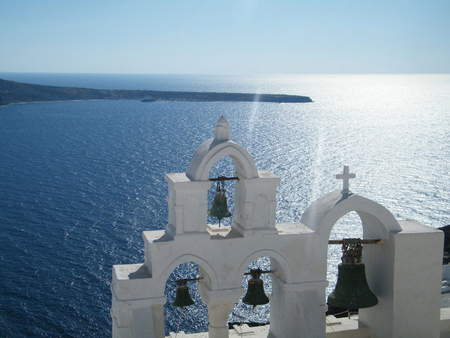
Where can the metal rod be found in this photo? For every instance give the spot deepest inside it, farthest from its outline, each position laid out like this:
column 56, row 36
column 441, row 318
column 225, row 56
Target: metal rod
column 184, row 280
column 363, row 241
column 249, row 273
column 223, row 178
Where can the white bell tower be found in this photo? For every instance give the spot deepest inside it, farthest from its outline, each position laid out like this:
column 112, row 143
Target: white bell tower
column 404, row 271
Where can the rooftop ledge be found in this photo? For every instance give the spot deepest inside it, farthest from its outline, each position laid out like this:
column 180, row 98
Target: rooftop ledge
column 336, row 328
column 222, row 232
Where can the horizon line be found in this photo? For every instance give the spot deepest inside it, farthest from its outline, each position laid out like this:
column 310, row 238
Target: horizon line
column 213, row 74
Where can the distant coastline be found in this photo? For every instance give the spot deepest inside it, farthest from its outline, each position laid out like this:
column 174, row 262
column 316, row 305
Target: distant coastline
column 16, row 92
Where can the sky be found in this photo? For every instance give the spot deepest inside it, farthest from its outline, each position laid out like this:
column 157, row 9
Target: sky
column 225, row 36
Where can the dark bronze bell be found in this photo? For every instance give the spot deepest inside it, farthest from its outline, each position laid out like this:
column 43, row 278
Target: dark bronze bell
column 219, row 208
column 255, row 292
column 182, row 297
column 352, row 290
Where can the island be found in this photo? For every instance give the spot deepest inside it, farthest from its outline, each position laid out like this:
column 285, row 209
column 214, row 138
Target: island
column 17, row 92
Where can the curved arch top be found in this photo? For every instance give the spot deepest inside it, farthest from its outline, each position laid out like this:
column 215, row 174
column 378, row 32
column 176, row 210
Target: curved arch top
column 283, row 265
column 202, row 264
column 321, row 215
column 213, row 150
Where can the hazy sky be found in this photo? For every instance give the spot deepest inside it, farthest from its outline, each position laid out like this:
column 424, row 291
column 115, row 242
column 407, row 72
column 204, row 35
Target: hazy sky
column 225, row 36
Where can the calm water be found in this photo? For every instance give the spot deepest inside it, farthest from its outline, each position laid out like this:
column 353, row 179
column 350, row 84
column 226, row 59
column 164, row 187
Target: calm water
column 80, row 181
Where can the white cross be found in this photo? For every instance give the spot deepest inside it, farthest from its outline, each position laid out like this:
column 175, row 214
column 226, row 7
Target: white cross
column 346, row 176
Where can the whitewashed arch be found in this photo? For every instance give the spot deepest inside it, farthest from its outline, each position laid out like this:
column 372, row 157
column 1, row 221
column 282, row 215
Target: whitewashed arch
column 285, row 274
column 212, row 151
column 377, row 221
column 206, row 270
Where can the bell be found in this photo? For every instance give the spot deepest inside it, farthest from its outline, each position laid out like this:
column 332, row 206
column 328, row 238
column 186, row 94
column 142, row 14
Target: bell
column 219, row 208
column 255, row 292
column 182, row 297
column 352, row 290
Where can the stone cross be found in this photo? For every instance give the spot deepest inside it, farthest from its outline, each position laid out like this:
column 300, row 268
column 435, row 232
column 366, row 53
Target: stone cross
column 345, row 176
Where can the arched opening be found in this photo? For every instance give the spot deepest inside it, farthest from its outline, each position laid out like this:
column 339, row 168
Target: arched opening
column 224, row 167
column 190, row 319
column 212, row 151
column 348, row 226
column 244, row 313
column 377, row 223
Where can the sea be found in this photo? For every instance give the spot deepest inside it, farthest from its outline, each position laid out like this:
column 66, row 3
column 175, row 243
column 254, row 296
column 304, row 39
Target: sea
column 81, row 180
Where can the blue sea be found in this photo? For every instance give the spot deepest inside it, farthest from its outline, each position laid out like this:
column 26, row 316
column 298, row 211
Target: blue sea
column 80, row 181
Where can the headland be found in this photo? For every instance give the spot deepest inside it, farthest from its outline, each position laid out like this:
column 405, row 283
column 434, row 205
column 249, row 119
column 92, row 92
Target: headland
column 17, row 92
